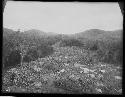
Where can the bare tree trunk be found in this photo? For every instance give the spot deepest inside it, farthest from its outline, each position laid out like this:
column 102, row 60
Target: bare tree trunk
column 21, row 60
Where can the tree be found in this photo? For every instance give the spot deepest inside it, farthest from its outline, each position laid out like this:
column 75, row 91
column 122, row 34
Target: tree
column 12, row 59
column 94, row 47
column 44, row 50
column 23, row 51
column 71, row 42
column 31, row 55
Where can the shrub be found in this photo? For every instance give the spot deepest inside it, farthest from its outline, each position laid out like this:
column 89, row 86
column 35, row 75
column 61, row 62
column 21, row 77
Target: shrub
column 68, row 85
column 51, row 67
column 110, row 52
column 94, row 47
column 87, row 86
column 12, row 59
column 8, row 79
column 44, row 50
column 71, row 42
column 32, row 55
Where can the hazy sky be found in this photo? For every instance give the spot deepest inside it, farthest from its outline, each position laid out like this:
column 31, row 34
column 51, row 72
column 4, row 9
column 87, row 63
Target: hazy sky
column 62, row 17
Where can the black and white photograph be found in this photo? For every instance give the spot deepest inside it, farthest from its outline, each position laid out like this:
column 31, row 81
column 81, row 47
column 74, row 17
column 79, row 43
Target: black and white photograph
column 62, row 47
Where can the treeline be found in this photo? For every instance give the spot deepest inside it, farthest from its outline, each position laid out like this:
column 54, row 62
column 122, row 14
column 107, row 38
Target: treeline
column 108, row 51
column 104, row 50
column 37, row 48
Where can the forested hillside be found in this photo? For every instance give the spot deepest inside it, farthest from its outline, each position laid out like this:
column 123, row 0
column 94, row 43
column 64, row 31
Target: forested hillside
column 85, row 62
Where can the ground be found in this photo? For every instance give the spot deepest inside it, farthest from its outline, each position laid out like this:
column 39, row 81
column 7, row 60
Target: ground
column 65, row 71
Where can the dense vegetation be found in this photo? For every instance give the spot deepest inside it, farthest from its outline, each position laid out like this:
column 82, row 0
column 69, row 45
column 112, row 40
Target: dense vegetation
column 109, row 51
column 38, row 47
column 71, row 42
column 106, row 51
column 58, row 53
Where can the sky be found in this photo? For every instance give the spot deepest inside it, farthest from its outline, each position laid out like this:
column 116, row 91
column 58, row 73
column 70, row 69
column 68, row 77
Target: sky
column 62, row 17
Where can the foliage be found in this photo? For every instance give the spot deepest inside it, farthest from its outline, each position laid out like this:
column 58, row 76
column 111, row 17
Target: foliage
column 8, row 79
column 59, row 62
column 110, row 52
column 94, row 47
column 87, row 86
column 12, row 59
column 68, row 85
column 71, row 42
column 44, row 50
column 31, row 55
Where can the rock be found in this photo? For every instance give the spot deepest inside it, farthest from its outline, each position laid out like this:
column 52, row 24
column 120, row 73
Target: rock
column 38, row 84
column 61, row 71
column 66, row 57
column 74, row 77
column 45, row 78
column 118, row 67
column 99, row 90
column 71, row 76
column 99, row 84
column 66, row 64
column 77, row 65
column 86, row 70
column 8, row 89
column 118, row 77
column 100, row 76
column 92, row 70
column 103, row 65
column 120, row 91
column 37, row 68
column 103, row 71
column 81, row 71
column 92, row 75
column 13, row 70
column 41, row 63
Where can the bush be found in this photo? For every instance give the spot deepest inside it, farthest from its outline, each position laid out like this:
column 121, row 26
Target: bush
column 87, row 86
column 12, row 59
column 32, row 55
column 94, row 47
column 68, row 85
column 109, row 52
column 38, row 52
column 71, row 42
column 51, row 67
column 44, row 50
column 119, row 56
column 8, row 79
column 110, row 56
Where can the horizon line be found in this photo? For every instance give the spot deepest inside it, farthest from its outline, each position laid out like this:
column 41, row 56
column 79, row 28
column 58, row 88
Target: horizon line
column 57, row 32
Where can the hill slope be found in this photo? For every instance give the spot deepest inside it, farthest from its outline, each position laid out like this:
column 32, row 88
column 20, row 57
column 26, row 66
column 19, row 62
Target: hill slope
column 96, row 34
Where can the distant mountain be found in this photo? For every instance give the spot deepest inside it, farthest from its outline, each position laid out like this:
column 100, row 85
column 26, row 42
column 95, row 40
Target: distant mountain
column 31, row 32
column 96, row 34
column 52, row 33
column 34, row 32
column 116, row 33
column 92, row 34
column 7, row 32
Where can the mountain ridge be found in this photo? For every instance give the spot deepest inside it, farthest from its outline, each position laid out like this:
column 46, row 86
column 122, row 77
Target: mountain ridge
column 97, row 34
column 88, row 34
